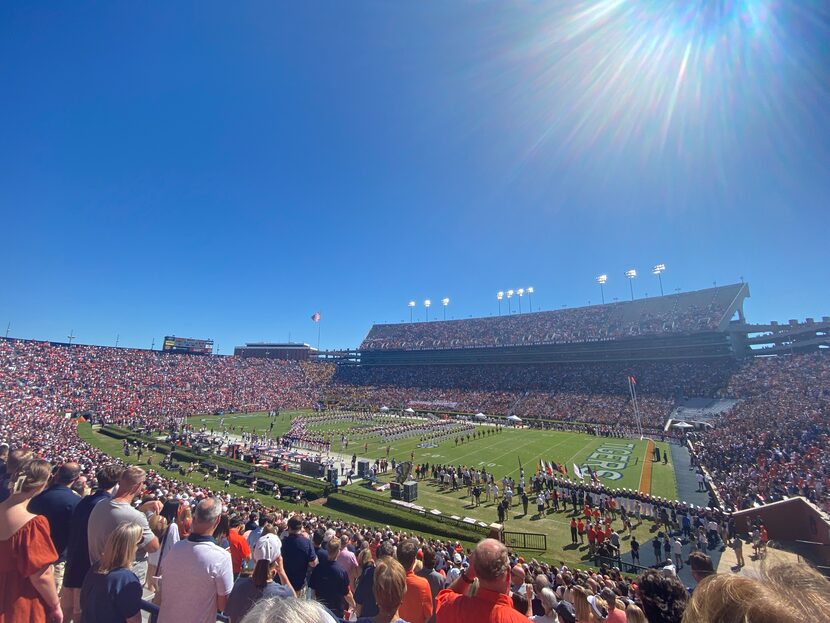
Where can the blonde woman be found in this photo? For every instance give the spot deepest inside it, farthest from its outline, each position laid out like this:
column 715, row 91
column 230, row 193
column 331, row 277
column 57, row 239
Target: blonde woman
column 389, row 589
column 633, row 614
column 581, row 605
column 111, row 591
column 26, row 551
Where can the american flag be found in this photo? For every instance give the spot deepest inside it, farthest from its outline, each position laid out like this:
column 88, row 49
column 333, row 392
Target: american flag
column 315, row 317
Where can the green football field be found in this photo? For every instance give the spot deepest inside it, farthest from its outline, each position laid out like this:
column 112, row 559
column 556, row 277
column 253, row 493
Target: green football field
column 499, row 453
column 618, row 462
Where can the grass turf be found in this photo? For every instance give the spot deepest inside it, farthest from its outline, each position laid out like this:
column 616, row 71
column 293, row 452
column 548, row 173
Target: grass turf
column 499, row 453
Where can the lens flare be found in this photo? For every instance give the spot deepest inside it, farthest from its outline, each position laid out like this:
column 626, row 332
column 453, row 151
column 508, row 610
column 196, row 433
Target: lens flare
column 641, row 80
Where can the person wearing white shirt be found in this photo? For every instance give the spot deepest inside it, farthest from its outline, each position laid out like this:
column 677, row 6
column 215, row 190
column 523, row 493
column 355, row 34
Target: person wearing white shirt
column 197, row 576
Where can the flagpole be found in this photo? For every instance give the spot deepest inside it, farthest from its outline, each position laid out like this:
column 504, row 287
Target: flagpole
column 318, row 335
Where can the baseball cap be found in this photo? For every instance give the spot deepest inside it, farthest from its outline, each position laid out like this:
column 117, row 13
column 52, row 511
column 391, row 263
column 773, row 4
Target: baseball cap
column 269, row 547
column 566, row 610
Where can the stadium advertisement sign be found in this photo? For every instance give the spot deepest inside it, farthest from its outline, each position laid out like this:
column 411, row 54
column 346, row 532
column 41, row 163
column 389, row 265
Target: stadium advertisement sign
column 609, row 460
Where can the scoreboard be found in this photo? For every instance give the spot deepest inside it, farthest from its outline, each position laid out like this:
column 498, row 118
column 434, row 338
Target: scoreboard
column 187, row 345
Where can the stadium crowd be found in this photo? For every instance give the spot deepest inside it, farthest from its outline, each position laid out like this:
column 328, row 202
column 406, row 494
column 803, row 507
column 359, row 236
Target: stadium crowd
column 695, row 311
column 774, row 442
column 78, row 532
column 138, row 387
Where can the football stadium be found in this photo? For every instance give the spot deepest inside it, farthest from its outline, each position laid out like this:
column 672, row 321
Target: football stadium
column 266, row 358
column 640, row 418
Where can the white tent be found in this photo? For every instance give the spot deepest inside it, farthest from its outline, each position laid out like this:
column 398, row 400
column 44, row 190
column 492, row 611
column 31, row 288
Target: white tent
column 514, row 418
column 409, row 410
column 384, row 409
column 682, row 425
column 480, row 416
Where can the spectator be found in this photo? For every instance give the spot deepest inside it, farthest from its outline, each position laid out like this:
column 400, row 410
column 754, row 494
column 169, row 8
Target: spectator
column 16, row 459
column 428, row 572
column 26, row 551
column 634, row 614
column 57, row 503
column 615, row 614
column 417, row 604
column 197, row 576
column 329, row 582
column 663, row 597
column 298, row 554
column 701, row 565
column 364, row 596
column 238, row 546
column 288, row 611
column 390, row 587
column 77, row 549
column 549, row 603
column 786, row 593
column 108, row 514
column 491, row 603
column 268, row 564
column 348, row 561
column 111, row 593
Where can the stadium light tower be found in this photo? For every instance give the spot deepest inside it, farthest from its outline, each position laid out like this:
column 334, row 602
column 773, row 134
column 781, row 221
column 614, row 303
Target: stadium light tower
column 631, row 274
column 521, row 293
column 601, row 281
column 445, row 301
column 427, row 303
column 509, row 296
column 411, row 305
column 659, row 270
column 530, row 297
column 499, row 297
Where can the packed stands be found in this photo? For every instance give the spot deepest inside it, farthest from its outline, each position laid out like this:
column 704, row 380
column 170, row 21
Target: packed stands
column 773, row 443
column 686, row 313
column 126, row 386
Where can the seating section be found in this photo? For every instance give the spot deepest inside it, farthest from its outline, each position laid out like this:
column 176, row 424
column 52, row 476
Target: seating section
column 692, row 312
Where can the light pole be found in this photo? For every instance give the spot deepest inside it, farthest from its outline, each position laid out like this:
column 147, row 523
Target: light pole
column 9, row 326
column 658, row 270
column 601, row 279
column 427, row 303
column 411, row 305
column 509, row 296
column 499, row 297
column 117, row 337
column 631, row 274
column 530, row 297
column 520, row 292
column 445, row 302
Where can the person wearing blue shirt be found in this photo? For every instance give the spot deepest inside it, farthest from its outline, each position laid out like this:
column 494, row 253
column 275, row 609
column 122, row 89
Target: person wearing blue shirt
column 57, row 503
column 77, row 549
column 330, row 582
column 298, row 554
column 111, row 593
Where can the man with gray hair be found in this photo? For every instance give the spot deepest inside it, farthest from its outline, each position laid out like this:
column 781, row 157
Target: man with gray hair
column 197, row 574
column 492, row 603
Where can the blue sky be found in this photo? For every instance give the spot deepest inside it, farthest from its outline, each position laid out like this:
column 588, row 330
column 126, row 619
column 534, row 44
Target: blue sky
column 224, row 170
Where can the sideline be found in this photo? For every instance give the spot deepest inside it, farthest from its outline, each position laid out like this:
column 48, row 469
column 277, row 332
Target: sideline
column 645, row 474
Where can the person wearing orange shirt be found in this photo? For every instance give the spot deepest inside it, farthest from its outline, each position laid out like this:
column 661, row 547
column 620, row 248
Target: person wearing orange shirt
column 492, row 602
column 238, row 545
column 416, row 606
column 580, row 526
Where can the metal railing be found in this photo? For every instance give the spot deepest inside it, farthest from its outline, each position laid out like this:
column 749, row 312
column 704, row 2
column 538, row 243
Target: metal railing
column 622, row 565
column 525, row 540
